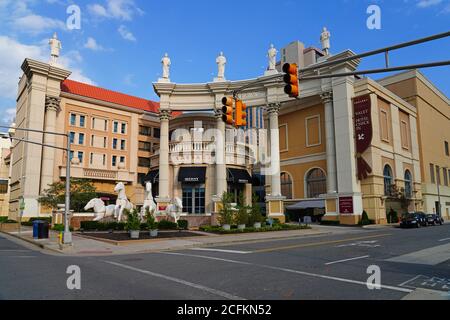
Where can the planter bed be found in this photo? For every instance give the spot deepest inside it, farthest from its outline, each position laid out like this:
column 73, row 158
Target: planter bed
column 144, row 235
column 235, row 230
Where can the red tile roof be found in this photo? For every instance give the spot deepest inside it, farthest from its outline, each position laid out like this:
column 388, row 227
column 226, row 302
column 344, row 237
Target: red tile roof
column 86, row 90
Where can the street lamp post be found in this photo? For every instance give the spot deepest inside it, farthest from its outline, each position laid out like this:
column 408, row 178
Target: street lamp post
column 67, row 235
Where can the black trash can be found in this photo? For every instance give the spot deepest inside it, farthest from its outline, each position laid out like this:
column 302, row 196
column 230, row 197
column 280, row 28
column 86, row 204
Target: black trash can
column 43, row 230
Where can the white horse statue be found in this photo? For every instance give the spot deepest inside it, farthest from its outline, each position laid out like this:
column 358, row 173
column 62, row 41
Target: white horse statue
column 174, row 209
column 101, row 211
column 149, row 203
column 122, row 201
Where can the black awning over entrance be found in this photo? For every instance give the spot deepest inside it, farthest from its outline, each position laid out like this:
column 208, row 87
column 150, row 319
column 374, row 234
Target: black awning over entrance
column 192, row 174
column 152, row 176
column 238, row 176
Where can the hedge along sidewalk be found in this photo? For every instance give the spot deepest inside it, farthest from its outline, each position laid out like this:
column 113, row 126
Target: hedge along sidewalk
column 90, row 247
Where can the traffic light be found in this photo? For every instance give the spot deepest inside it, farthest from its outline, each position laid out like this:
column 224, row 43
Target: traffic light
column 227, row 110
column 241, row 114
column 291, row 79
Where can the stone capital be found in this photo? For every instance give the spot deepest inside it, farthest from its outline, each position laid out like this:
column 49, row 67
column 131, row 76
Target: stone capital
column 327, row 97
column 273, row 108
column 52, row 103
column 165, row 114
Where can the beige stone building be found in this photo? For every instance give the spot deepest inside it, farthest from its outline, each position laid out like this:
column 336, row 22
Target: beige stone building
column 5, row 159
column 433, row 128
column 112, row 136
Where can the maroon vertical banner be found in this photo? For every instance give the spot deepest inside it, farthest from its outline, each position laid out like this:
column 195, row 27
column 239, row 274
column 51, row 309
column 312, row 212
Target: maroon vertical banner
column 362, row 120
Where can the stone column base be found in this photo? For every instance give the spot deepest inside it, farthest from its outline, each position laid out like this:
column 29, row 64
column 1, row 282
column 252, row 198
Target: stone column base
column 216, row 207
column 275, row 208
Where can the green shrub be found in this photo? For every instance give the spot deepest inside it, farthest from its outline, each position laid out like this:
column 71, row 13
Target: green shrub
column 255, row 214
column 241, row 216
column 133, row 221
column 151, row 223
column 220, row 230
column 8, row 221
column 3, row 219
column 365, row 219
column 183, row 224
column 392, row 216
column 226, row 212
column 167, row 225
column 60, row 228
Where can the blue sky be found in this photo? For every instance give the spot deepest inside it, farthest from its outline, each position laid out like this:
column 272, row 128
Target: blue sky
column 121, row 42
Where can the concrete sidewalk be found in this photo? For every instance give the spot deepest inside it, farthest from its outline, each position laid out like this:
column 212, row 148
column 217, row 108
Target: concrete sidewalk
column 83, row 246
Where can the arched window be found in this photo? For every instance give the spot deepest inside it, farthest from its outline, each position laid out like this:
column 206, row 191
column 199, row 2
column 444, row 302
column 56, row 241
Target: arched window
column 316, row 183
column 286, row 185
column 408, row 184
column 388, row 180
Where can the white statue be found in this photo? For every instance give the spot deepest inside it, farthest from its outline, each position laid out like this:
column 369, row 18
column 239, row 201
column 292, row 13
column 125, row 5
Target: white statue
column 148, row 202
column 101, row 211
column 122, row 202
column 272, row 54
column 221, row 62
column 55, row 47
column 174, row 210
column 166, row 66
column 325, row 40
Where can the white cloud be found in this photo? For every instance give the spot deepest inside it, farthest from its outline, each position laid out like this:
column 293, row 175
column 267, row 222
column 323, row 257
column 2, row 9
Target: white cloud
column 92, row 44
column 115, row 9
column 13, row 53
column 9, row 115
column 428, row 3
column 35, row 24
column 127, row 35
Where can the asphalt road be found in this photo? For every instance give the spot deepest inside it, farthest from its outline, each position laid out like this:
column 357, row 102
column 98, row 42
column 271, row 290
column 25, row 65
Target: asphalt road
column 331, row 266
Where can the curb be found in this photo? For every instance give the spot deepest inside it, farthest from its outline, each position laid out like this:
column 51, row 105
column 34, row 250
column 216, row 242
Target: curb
column 40, row 245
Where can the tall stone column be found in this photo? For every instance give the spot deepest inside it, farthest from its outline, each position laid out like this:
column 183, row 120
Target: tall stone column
column 221, row 170
column 327, row 99
column 275, row 201
column 52, row 107
column 163, row 197
column 273, row 110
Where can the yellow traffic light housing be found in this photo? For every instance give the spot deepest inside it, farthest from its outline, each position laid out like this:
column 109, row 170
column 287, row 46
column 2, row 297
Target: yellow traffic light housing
column 241, row 114
column 291, row 79
column 227, row 110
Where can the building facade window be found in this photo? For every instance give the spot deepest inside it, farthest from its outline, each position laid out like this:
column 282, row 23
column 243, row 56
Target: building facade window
column 122, row 159
column 80, row 156
column 72, row 137
column 73, row 119
column 145, row 131
column 432, row 176
column 123, row 128
column 81, row 138
column 286, row 185
column 316, row 183
column 446, row 147
column 114, row 144
column 408, row 184
column 194, row 199
column 438, row 175
column 145, row 146
column 156, row 132
column 115, row 127
column 384, row 125
column 143, row 162
column 114, row 161
column 3, row 186
column 82, row 121
column 122, row 144
column 444, row 172
column 388, row 180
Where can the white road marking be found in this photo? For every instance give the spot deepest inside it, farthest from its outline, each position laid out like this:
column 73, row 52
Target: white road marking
column 221, row 250
column 186, row 283
column 370, row 244
column 444, row 239
column 410, row 280
column 394, row 288
column 344, row 260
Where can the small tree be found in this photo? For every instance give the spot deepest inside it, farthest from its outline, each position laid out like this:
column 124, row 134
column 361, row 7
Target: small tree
column 365, row 219
column 226, row 212
column 81, row 191
column 133, row 221
column 151, row 223
column 255, row 211
column 241, row 217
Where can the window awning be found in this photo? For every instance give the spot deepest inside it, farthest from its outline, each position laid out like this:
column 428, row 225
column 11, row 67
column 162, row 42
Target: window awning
column 192, row 174
column 238, row 176
column 152, row 176
column 307, row 204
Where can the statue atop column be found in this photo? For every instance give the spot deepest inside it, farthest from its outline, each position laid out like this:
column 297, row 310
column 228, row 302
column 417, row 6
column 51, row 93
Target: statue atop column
column 166, row 68
column 55, row 47
column 272, row 55
column 325, row 40
column 221, row 62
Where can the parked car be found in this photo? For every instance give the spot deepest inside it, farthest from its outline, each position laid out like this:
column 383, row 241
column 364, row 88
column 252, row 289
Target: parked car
column 416, row 219
column 434, row 219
